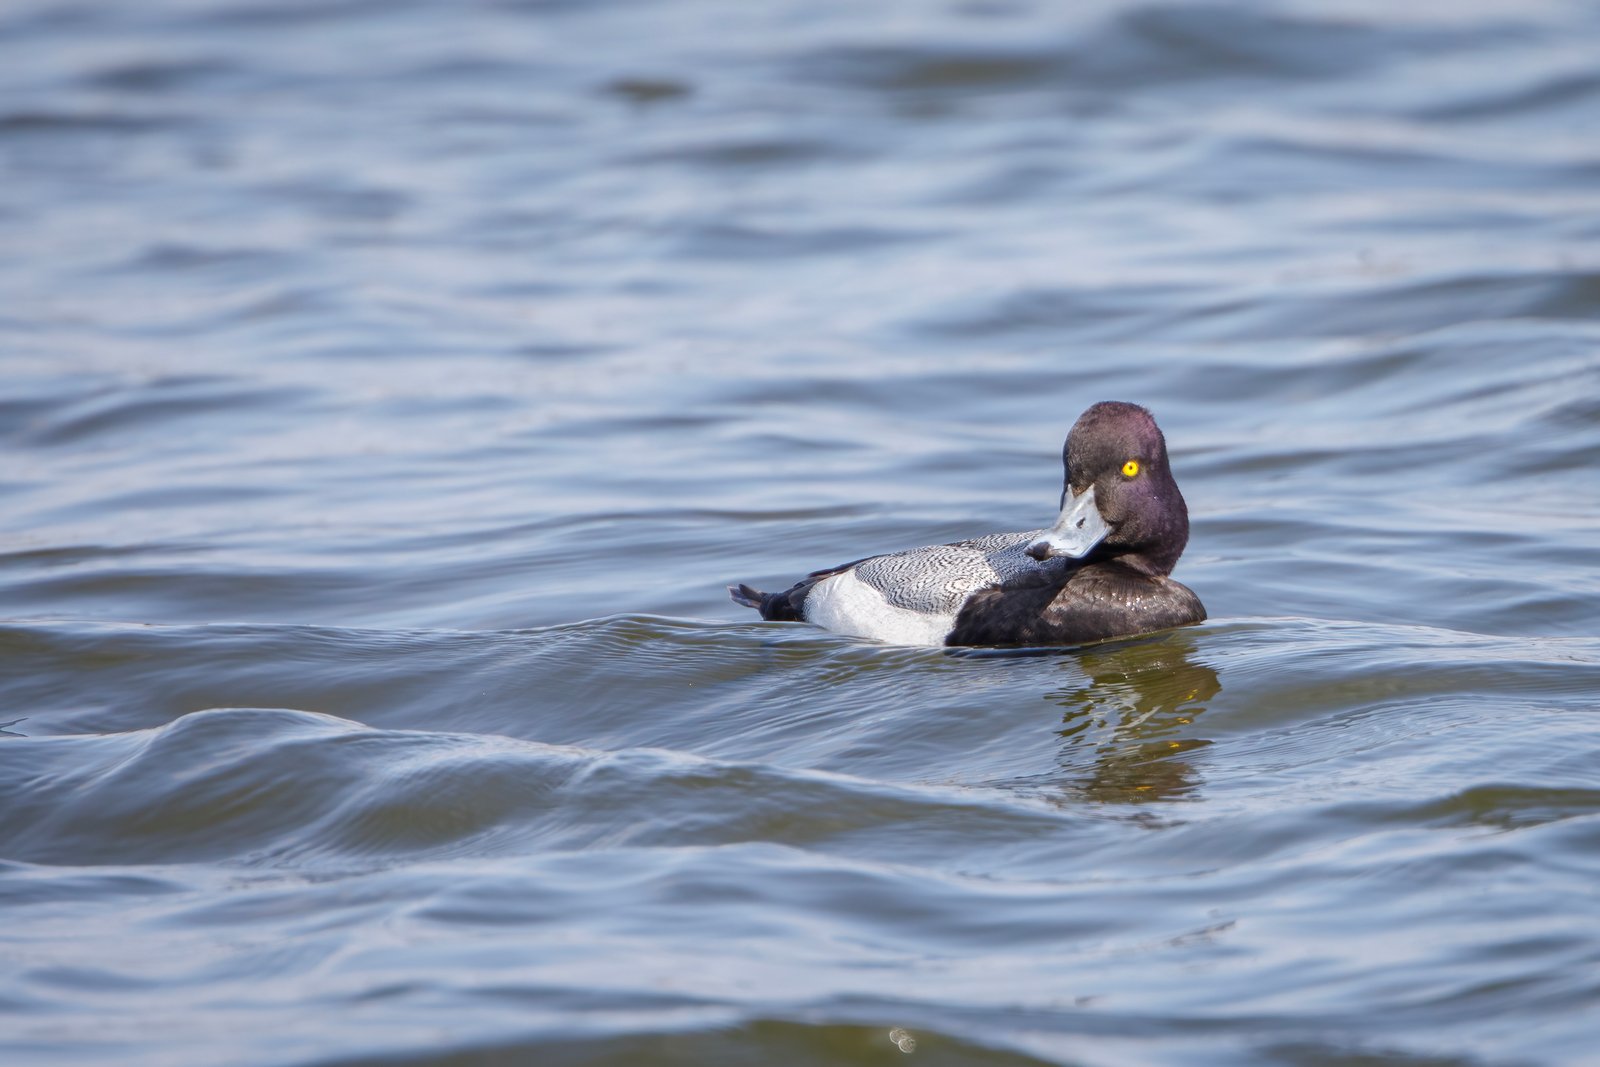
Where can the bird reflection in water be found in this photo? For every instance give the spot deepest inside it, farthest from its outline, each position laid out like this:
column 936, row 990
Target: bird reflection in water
column 1131, row 719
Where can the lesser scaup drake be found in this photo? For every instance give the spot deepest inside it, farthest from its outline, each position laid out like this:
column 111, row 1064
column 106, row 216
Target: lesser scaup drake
column 1099, row 572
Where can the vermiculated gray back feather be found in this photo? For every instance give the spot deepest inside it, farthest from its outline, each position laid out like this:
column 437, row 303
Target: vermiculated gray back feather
column 937, row 579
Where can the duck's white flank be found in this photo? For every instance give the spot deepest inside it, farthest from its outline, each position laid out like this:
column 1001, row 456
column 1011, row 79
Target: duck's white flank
column 847, row 605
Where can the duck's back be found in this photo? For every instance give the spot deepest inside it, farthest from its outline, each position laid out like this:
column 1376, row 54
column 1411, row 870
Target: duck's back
column 914, row 597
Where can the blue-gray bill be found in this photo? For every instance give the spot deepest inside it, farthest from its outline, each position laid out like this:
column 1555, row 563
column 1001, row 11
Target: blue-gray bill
column 1079, row 528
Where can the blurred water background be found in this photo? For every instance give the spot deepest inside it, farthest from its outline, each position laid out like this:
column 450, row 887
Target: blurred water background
column 389, row 389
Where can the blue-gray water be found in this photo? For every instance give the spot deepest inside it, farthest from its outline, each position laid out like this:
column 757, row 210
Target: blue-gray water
column 388, row 390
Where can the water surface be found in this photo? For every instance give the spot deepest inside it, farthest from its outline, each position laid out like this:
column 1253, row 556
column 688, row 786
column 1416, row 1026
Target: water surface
column 388, row 391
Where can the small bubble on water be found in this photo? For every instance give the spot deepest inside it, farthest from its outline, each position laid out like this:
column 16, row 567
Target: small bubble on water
column 903, row 1039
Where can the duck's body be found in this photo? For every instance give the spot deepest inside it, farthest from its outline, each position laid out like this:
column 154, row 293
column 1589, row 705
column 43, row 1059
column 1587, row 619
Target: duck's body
column 1100, row 572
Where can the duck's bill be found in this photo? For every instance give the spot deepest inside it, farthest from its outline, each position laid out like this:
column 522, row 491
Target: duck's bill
column 1078, row 530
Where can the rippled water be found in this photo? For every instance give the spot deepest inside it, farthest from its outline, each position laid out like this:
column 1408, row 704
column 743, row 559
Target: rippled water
column 388, row 390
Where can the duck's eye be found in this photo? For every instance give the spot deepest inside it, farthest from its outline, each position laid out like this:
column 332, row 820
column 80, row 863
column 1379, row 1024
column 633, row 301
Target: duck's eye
column 1130, row 468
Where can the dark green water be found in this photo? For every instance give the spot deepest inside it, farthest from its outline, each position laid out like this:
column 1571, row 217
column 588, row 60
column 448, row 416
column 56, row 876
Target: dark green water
column 388, row 391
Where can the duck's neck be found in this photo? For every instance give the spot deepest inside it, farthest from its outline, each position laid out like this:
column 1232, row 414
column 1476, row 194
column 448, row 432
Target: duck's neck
column 1147, row 564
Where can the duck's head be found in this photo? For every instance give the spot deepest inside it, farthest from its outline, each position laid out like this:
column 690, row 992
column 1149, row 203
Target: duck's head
column 1119, row 500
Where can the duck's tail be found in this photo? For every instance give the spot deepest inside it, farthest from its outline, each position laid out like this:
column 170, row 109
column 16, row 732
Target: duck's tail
column 774, row 607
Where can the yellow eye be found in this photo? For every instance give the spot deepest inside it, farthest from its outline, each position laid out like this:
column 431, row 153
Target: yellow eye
column 1130, row 468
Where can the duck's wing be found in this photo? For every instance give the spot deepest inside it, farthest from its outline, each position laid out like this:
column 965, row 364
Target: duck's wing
column 932, row 581
column 937, row 579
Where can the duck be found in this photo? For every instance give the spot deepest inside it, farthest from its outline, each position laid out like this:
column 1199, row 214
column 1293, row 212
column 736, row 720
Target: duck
column 1102, row 570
